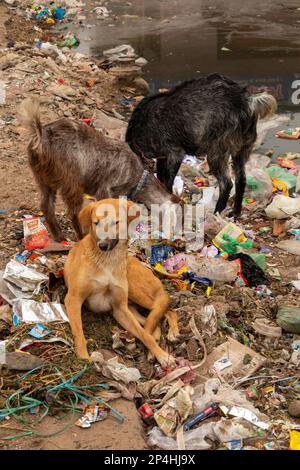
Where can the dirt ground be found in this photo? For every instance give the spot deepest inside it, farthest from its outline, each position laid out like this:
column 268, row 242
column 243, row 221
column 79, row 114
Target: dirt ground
column 106, row 435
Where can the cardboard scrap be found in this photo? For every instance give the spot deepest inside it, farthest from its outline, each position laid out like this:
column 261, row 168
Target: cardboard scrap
column 235, row 353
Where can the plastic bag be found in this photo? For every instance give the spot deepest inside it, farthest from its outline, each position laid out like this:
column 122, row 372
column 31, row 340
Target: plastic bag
column 288, row 317
column 121, row 53
column 257, row 160
column 213, row 224
column 220, row 431
column 223, row 394
column 263, row 125
column 298, row 183
column 251, row 272
column 275, row 171
column 259, row 185
column 113, row 369
column 291, row 246
column 283, row 207
column 35, row 233
column 178, row 185
column 215, row 269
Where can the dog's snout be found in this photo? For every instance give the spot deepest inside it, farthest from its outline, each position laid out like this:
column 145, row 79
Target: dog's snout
column 104, row 246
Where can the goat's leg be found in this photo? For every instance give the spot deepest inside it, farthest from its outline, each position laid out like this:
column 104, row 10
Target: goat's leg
column 48, row 208
column 239, row 162
column 167, row 168
column 74, row 203
column 218, row 166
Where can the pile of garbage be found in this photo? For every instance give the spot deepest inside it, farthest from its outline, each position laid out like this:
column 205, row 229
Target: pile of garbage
column 50, row 14
column 235, row 385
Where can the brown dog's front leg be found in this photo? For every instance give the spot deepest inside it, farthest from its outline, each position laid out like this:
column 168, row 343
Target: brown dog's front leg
column 127, row 320
column 142, row 320
column 173, row 332
column 73, row 305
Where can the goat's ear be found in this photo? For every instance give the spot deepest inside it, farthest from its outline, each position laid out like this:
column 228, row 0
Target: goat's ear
column 133, row 211
column 85, row 218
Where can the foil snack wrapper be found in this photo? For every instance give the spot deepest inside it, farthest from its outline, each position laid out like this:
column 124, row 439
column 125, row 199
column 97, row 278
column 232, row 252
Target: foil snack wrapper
column 29, row 311
column 21, row 281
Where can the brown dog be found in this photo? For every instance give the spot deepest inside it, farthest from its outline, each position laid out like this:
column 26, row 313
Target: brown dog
column 99, row 272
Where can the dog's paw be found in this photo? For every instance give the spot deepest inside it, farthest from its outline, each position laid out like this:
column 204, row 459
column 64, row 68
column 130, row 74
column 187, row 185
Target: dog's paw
column 173, row 335
column 84, row 355
column 166, row 360
column 150, row 357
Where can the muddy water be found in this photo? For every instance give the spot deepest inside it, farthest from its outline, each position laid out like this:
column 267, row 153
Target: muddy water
column 255, row 42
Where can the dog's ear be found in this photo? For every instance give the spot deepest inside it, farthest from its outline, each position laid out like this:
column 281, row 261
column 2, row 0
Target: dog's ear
column 133, row 211
column 85, row 218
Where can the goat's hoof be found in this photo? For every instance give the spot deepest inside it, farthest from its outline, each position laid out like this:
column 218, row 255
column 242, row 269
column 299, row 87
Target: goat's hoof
column 234, row 214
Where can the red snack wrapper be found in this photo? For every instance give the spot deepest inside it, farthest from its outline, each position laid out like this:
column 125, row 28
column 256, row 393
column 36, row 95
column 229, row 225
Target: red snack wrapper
column 35, row 233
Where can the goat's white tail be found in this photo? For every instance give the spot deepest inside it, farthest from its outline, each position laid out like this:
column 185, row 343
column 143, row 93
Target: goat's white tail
column 29, row 116
column 263, row 104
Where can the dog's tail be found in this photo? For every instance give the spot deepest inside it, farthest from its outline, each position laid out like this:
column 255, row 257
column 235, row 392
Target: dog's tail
column 262, row 104
column 29, row 116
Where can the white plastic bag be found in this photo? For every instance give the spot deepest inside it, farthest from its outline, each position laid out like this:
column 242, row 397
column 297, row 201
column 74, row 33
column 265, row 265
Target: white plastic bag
column 283, row 207
column 291, row 246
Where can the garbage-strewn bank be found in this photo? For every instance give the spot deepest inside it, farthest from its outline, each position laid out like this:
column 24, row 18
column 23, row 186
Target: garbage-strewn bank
column 236, row 383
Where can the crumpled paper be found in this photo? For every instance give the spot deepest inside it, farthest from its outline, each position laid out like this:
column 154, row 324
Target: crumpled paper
column 3, row 352
column 175, row 411
column 240, row 412
column 114, row 369
column 209, row 320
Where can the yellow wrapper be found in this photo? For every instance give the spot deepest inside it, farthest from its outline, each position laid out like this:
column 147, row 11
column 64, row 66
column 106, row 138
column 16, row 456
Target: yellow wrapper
column 233, row 231
column 294, row 439
column 278, row 184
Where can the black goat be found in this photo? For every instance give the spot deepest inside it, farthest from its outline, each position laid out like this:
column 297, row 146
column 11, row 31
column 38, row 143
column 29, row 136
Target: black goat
column 211, row 116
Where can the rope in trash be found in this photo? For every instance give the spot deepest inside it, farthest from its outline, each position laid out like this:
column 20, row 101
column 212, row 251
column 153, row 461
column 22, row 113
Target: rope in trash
column 74, row 394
